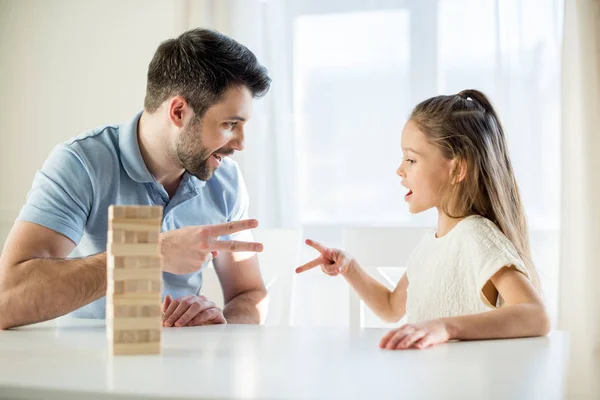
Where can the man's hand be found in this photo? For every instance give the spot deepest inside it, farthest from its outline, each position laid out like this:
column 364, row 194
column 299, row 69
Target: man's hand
column 332, row 261
column 191, row 311
column 186, row 250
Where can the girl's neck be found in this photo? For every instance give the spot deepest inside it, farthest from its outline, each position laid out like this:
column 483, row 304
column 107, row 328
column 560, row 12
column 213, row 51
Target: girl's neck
column 445, row 224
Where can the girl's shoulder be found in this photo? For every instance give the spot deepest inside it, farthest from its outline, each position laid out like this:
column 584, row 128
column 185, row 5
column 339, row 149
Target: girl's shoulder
column 478, row 231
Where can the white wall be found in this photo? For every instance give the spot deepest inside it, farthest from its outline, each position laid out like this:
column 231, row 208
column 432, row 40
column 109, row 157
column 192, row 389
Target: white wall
column 67, row 66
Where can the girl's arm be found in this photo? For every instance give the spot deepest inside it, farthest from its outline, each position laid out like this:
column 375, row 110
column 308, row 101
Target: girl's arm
column 523, row 315
column 388, row 305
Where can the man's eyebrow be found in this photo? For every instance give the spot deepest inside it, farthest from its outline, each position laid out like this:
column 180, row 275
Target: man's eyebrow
column 236, row 118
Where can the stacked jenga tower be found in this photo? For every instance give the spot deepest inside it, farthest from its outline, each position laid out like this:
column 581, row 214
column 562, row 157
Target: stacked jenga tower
column 134, row 280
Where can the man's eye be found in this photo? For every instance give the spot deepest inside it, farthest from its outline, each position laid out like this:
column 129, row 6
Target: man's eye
column 232, row 124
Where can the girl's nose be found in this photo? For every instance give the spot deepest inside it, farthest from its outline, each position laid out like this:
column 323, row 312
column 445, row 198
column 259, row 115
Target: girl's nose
column 400, row 172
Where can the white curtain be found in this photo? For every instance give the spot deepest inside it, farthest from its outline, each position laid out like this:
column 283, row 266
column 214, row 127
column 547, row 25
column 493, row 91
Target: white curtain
column 580, row 261
column 268, row 162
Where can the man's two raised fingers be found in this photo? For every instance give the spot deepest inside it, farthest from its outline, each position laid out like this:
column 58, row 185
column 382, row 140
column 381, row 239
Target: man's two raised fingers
column 231, row 227
column 235, row 246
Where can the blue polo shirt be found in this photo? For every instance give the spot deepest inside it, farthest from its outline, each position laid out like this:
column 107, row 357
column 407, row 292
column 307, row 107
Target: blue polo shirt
column 82, row 177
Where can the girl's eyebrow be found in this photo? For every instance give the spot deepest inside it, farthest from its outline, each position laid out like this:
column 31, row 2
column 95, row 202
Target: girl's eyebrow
column 411, row 150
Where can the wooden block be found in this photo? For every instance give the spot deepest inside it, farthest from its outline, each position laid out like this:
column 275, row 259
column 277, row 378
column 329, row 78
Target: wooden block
column 141, row 296
column 149, row 300
column 118, row 287
column 136, row 274
column 156, row 212
column 150, row 311
column 116, row 236
column 125, row 311
column 131, row 212
column 144, row 213
column 149, row 263
column 129, row 323
column 131, row 249
column 135, row 287
column 130, row 237
column 141, row 237
column 137, row 336
column 134, row 212
column 116, row 212
column 134, row 310
column 153, row 237
column 116, row 262
column 125, row 336
column 143, row 225
column 135, row 262
column 136, row 348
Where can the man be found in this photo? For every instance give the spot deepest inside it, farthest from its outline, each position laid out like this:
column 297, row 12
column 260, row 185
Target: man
column 199, row 96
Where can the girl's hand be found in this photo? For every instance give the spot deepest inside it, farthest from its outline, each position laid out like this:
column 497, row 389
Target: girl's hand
column 416, row 336
column 332, row 261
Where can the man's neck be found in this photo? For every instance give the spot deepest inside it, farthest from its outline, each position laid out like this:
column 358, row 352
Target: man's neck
column 155, row 150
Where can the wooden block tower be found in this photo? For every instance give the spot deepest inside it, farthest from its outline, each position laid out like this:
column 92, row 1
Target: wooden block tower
column 134, row 280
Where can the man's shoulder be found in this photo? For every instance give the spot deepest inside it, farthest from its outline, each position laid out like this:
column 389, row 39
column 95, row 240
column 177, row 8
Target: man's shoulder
column 103, row 137
column 97, row 149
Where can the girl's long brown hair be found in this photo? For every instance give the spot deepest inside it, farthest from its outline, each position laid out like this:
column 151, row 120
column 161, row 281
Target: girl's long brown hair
column 465, row 128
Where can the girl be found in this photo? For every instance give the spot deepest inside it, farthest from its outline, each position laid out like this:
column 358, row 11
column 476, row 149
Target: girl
column 455, row 159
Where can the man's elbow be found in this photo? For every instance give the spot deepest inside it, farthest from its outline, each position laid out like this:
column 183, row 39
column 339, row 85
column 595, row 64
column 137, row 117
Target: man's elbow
column 5, row 321
column 6, row 288
column 263, row 307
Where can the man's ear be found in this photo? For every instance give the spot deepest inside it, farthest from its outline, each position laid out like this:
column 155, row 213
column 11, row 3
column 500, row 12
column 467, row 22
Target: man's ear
column 178, row 108
column 458, row 170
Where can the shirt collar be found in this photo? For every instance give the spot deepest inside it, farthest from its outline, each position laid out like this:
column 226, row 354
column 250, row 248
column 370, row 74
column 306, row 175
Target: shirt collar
column 131, row 157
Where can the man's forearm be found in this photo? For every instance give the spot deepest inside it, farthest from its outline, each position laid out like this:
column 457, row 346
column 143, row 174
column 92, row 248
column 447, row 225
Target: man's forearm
column 247, row 308
column 41, row 289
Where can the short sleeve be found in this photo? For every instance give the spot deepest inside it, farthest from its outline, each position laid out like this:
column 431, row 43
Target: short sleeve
column 61, row 195
column 494, row 252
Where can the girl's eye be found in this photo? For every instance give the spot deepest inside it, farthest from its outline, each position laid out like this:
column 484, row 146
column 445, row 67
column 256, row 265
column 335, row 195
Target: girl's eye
column 232, row 124
column 410, row 161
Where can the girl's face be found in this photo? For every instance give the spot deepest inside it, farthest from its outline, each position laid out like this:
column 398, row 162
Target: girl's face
column 424, row 171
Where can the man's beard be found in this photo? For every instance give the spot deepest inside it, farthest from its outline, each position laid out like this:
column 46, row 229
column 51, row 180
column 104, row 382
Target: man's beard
column 191, row 153
column 193, row 156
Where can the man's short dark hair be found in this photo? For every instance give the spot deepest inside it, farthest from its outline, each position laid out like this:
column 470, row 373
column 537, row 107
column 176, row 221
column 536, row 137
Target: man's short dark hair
column 200, row 65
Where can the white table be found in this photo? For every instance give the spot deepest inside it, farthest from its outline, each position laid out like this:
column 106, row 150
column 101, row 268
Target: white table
column 240, row 362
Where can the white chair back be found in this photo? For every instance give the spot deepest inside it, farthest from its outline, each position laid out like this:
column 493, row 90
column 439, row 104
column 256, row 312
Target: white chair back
column 382, row 252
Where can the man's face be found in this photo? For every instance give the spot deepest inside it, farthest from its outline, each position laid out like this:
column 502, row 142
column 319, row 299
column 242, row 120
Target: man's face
column 202, row 144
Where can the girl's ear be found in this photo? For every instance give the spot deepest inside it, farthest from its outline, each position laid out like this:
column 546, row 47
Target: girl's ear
column 458, row 172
